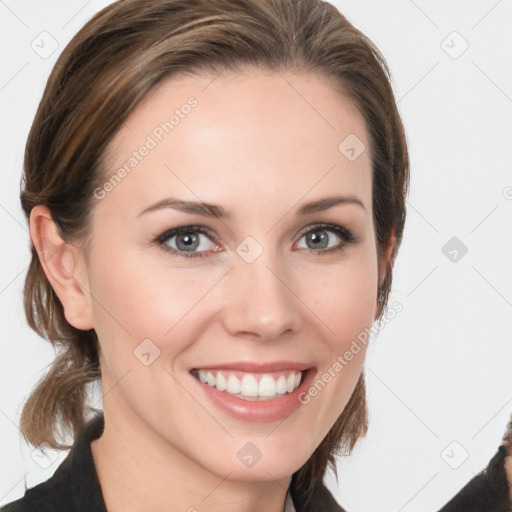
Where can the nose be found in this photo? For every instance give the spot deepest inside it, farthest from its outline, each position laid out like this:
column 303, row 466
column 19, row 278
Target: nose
column 261, row 303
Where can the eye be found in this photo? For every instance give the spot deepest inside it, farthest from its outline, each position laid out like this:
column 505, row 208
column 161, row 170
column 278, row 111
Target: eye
column 317, row 238
column 184, row 241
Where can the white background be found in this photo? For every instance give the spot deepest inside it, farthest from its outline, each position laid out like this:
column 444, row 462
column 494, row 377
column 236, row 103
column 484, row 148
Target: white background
column 440, row 371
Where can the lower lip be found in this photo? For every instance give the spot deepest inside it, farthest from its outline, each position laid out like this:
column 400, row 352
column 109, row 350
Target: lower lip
column 258, row 411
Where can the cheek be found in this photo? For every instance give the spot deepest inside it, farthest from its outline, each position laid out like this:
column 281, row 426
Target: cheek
column 143, row 297
column 344, row 298
column 145, row 308
column 345, row 303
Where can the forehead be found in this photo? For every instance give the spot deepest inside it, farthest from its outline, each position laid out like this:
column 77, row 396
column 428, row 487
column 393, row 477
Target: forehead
column 243, row 134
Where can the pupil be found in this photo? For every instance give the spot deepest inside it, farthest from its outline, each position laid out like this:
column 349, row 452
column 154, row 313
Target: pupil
column 315, row 238
column 188, row 241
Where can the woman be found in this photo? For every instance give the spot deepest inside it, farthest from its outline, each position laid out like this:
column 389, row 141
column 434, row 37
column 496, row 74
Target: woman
column 215, row 192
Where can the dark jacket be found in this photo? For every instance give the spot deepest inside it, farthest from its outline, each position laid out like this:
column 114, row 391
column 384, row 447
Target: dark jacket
column 486, row 492
column 74, row 487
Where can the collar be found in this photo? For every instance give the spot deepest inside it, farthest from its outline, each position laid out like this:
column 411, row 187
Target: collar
column 85, row 487
column 289, row 507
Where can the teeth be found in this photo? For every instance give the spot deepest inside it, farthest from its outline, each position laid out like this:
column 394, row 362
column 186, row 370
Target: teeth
column 222, row 383
column 249, row 386
column 267, row 386
column 281, row 386
column 234, row 385
column 290, row 382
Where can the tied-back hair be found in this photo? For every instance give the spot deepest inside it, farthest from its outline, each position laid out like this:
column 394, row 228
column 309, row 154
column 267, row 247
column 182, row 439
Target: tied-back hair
column 105, row 71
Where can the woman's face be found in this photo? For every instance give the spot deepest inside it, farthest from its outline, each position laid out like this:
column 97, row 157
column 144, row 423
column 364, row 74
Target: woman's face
column 244, row 293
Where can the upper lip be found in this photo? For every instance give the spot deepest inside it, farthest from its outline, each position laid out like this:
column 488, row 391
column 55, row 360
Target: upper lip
column 253, row 367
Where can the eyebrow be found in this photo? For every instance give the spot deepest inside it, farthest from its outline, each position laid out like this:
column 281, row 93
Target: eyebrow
column 218, row 212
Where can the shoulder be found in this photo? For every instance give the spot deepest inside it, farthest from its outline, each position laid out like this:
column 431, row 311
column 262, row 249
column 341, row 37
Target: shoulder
column 74, row 486
column 489, row 490
column 48, row 496
column 326, row 501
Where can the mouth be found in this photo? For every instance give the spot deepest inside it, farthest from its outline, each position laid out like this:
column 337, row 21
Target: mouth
column 254, row 392
column 251, row 386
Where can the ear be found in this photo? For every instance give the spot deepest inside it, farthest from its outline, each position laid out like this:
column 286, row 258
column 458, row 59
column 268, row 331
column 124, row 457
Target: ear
column 385, row 260
column 64, row 267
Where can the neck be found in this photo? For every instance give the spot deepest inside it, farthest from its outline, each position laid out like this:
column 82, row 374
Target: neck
column 138, row 471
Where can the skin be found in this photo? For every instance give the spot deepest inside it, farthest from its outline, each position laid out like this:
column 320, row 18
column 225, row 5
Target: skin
column 261, row 149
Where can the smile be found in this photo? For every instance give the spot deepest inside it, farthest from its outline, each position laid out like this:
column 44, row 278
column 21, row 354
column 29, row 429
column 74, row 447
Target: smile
column 254, row 391
column 251, row 386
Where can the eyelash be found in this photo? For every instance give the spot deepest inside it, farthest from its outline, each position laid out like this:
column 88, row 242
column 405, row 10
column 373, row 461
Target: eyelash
column 345, row 234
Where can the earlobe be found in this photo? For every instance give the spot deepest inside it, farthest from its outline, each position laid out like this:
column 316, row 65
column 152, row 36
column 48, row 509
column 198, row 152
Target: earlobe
column 64, row 268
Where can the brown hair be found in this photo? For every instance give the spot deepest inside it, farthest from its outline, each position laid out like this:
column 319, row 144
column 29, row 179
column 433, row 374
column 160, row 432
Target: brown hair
column 108, row 67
